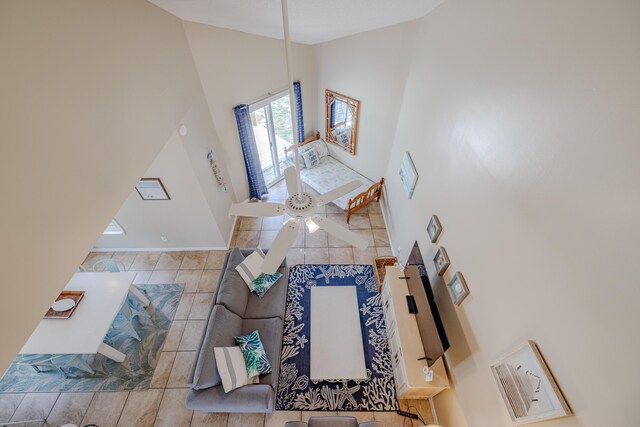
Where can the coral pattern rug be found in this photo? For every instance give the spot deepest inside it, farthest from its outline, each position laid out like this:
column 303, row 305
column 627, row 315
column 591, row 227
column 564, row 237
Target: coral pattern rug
column 296, row 391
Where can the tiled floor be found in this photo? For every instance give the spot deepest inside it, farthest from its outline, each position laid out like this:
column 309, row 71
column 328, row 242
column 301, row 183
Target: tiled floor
column 163, row 404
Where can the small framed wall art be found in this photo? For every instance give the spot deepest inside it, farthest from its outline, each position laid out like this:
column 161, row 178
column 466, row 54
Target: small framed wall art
column 441, row 261
column 152, row 189
column 434, row 228
column 458, row 288
column 408, row 175
column 527, row 386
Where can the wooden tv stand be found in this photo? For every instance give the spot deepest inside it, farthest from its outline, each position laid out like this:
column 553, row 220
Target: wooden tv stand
column 405, row 342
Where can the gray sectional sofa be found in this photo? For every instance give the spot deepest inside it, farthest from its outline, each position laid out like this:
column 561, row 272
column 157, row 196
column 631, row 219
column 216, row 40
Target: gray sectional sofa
column 237, row 311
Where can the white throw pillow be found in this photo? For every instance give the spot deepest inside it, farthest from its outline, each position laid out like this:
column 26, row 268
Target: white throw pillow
column 291, row 160
column 321, row 148
column 311, row 158
column 232, row 368
column 251, row 268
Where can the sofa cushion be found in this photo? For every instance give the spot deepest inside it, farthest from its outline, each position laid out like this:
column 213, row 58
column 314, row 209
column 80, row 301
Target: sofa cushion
column 272, row 304
column 271, row 335
column 223, row 325
column 233, row 292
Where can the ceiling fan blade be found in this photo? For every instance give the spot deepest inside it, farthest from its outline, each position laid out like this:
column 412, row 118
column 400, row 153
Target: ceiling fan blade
column 257, row 209
column 280, row 246
column 336, row 193
column 336, row 230
column 291, row 178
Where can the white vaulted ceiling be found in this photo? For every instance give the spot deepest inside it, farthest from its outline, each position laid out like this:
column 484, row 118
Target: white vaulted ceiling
column 311, row 21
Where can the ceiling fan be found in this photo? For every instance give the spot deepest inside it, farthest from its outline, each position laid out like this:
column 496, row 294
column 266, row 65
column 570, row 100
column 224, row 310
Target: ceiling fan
column 300, row 206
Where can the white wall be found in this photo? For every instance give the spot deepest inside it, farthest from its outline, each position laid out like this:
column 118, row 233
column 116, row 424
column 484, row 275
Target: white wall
column 201, row 138
column 523, row 120
column 185, row 220
column 239, row 68
column 90, row 92
column 371, row 67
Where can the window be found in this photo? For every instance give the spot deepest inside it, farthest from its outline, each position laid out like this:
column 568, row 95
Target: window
column 114, row 228
column 271, row 120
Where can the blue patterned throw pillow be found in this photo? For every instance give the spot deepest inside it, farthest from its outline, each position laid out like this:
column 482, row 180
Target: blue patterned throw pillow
column 264, row 282
column 254, row 354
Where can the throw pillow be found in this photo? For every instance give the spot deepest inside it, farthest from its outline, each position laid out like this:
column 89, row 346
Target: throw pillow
column 251, row 268
column 321, row 148
column 342, row 138
column 291, row 160
column 232, row 368
column 311, row 158
column 264, row 282
column 254, row 354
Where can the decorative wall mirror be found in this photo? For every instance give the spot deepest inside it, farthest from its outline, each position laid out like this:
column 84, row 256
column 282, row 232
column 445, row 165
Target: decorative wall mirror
column 341, row 120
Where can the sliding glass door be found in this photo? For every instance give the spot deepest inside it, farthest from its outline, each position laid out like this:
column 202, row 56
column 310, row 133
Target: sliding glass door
column 271, row 120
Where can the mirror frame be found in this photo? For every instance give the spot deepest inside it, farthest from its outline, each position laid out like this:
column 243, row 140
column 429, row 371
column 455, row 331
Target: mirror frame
column 354, row 106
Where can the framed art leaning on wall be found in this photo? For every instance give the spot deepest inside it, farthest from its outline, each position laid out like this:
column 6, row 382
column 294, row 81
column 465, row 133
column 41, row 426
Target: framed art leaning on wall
column 527, row 386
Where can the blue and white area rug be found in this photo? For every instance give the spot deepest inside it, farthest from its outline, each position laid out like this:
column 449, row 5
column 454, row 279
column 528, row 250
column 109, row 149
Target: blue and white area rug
column 134, row 373
column 296, row 391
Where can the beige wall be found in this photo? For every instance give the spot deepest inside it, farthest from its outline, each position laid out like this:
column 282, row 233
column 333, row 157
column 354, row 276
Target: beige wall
column 90, row 92
column 371, row 67
column 239, row 68
column 185, row 220
column 523, row 120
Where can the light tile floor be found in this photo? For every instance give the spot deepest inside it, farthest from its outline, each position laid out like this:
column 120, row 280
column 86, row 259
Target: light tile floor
column 163, row 403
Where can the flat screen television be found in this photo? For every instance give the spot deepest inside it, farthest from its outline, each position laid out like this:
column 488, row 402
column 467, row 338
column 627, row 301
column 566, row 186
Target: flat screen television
column 432, row 333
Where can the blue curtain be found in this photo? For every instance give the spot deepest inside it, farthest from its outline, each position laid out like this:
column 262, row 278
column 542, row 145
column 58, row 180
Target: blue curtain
column 298, row 94
column 257, row 186
column 332, row 115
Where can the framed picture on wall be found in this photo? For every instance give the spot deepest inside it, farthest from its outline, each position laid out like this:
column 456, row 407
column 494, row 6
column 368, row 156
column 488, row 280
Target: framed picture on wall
column 441, row 261
column 152, row 189
column 434, row 228
column 527, row 386
column 408, row 175
column 458, row 288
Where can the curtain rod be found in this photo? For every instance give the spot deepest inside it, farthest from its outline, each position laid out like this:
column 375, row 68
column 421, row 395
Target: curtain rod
column 269, row 94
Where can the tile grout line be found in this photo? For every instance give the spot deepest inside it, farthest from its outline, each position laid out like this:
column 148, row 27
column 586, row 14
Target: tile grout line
column 159, row 405
column 17, row 406
column 52, row 406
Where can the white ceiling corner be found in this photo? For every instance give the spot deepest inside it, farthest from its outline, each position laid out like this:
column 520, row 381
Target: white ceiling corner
column 311, row 21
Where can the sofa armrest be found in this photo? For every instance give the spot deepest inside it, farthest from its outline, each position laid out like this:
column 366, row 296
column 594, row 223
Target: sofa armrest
column 259, row 398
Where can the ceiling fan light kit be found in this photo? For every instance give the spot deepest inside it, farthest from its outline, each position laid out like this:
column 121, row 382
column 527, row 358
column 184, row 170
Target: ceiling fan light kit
column 299, row 206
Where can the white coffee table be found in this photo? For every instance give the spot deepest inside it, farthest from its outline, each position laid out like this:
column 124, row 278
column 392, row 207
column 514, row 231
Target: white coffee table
column 336, row 339
column 84, row 331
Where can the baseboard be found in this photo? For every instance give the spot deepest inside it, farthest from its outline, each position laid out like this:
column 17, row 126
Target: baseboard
column 196, row 248
column 383, row 208
column 433, row 411
column 233, row 228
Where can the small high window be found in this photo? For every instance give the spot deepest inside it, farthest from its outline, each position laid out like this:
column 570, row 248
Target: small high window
column 114, row 228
